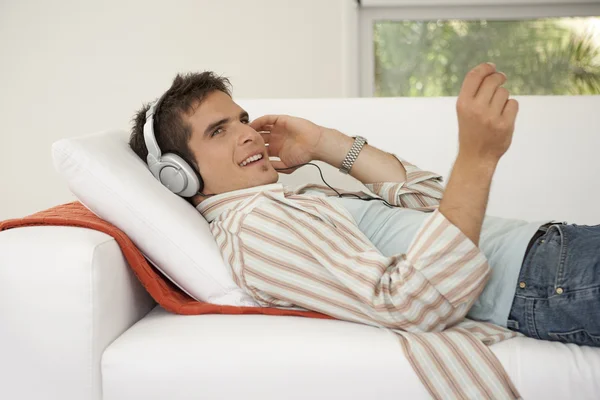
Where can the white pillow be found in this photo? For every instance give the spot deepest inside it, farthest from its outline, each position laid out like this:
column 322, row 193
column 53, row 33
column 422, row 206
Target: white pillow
column 104, row 173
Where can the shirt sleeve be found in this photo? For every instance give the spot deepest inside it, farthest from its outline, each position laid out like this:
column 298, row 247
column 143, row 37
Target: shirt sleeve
column 422, row 189
column 296, row 259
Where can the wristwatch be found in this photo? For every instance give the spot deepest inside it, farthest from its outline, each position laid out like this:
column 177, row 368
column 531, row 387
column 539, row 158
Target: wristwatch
column 352, row 155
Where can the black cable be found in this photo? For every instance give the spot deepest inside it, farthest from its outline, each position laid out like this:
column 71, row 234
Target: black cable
column 340, row 195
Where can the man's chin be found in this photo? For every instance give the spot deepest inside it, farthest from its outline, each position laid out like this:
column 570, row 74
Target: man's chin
column 272, row 176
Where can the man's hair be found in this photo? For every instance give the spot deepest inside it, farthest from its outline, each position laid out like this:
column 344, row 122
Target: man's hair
column 172, row 132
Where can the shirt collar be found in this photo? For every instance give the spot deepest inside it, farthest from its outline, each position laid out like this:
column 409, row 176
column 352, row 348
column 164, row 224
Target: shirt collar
column 212, row 207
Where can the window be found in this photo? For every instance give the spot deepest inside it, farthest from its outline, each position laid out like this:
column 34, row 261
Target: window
column 411, row 56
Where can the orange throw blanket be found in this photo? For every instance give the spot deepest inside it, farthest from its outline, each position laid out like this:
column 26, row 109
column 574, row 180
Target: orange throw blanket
column 165, row 293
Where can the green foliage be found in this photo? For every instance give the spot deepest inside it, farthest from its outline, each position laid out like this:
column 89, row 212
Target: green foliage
column 431, row 58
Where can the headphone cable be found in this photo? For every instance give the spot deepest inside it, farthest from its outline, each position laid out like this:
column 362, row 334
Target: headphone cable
column 340, row 195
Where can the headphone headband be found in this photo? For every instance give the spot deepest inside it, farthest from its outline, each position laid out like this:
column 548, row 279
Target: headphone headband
column 154, row 152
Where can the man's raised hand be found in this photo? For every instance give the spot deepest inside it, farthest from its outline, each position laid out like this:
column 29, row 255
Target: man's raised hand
column 293, row 140
column 486, row 115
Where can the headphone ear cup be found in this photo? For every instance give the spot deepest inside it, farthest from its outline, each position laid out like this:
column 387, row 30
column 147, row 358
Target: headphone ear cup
column 200, row 182
column 177, row 175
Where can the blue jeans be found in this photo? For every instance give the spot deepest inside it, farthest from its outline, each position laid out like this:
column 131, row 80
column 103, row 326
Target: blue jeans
column 558, row 292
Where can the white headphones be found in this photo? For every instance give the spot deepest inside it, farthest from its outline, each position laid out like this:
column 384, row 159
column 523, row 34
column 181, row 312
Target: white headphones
column 170, row 169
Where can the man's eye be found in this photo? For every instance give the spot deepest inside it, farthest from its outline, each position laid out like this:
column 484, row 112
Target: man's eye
column 216, row 132
column 245, row 121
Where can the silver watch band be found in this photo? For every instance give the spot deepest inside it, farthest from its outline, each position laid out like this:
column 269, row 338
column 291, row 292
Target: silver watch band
column 352, row 155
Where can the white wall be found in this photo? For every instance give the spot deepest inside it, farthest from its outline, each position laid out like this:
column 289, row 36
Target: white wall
column 71, row 67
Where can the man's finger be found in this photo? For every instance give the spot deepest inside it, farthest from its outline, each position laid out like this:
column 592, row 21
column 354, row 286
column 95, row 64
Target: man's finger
column 511, row 109
column 266, row 135
column 260, row 123
column 274, row 148
column 266, row 129
column 489, row 87
column 499, row 100
column 270, row 151
column 474, row 79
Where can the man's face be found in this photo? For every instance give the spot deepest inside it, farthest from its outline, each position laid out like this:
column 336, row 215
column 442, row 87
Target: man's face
column 222, row 141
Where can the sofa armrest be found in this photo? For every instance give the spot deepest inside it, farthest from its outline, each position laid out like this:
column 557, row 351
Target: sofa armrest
column 65, row 294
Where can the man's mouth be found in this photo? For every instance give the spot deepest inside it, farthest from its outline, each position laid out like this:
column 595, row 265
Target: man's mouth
column 255, row 159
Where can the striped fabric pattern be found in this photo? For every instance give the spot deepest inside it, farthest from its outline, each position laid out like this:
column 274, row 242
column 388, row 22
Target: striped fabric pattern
column 294, row 250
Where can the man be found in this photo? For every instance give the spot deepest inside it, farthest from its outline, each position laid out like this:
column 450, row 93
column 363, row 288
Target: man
column 416, row 268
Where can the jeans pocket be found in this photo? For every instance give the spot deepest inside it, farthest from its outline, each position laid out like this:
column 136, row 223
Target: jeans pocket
column 579, row 336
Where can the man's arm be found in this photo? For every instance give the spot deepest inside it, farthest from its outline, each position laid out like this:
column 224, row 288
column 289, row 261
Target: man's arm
column 395, row 180
column 486, row 119
column 296, row 141
column 291, row 258
column 486, row 123
column 372, row 165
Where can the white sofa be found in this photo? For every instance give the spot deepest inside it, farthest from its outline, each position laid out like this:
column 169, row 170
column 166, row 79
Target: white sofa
column 75, row 323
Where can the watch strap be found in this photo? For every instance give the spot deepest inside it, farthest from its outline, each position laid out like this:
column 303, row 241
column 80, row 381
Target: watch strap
column 352, row 155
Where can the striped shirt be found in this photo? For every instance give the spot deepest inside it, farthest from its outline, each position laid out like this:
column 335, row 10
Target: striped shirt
column 293, row 250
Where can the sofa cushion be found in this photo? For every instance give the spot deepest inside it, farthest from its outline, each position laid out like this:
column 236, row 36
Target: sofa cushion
column 166, row 356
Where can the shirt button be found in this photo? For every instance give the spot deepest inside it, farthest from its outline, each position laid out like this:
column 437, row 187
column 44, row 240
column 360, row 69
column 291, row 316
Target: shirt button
column 559, row 290
column 522, row 285
column 542, row 241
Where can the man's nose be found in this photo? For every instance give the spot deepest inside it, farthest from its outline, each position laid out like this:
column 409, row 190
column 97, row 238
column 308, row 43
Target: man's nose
column 247, row 134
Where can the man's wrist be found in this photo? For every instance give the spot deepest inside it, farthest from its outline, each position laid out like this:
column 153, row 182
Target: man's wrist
column 332, row 147
column 485, row 165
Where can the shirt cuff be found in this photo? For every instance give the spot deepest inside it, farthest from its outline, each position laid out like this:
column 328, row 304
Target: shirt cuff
column 392, row 191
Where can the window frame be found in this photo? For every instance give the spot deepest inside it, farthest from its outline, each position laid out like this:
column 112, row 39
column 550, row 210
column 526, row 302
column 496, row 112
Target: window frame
column 434, row 10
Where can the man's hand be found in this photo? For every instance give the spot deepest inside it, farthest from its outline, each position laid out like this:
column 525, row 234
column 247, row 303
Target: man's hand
column 293, row 140
column 486, row 117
